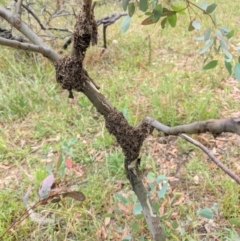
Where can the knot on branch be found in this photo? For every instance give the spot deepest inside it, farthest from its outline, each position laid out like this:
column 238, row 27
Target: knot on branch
column 70, row 73
column 128, row 137
column 85, row 31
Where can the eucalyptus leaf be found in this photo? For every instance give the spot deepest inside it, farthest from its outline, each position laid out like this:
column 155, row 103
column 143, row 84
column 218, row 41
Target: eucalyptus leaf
column 163, row 23
column 206, row 213
column 143, row 5
column 196, row 24
column 211, row 8
column 208, row 44
column 137, row 209
column 157, row 13
column 161, row 178
column 230, row 34
column 125, row 23
column 228, row 67
column 203, row 6
column 151, row 176
column 237, row 71
column 131, row 9
column 163, row 190
column 212, row 64
column 125, row 4
column 172, row 19
column 148, row 21
column 207, row 34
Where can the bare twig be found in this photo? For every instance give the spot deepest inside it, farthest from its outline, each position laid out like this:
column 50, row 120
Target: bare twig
column 212, row 157
column 46, row 52
column 205, row 12
column 224, row 126
column 215, row 127
column 43, row 27
column 19, row 8
column 16, row 22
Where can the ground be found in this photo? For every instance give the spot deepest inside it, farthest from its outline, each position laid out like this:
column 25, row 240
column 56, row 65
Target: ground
column 145, row 72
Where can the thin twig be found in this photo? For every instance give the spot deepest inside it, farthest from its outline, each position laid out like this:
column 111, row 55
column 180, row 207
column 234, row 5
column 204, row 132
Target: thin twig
column 212, row 157
column 193, row 128
column 205, row 12
column 19, row 8
column 41, row 24
column 46, row 52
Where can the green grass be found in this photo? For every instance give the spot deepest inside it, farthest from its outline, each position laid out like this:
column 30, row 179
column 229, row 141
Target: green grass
column 161, row 78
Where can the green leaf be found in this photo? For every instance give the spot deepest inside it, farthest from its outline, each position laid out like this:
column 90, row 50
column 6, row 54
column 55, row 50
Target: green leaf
column 224, row 30
column 156, row 207
column 203, row 6
column 125, row 24
column 208, row 44
column 175, row 224
column 154, row 3
column 147, row 21
column 211, row 8
column 163, row 190
column 167, row 12
column 151, row 176
column 161, row 178
column 206, row 213
column 235, row 221
column 196, row 24
column 134, row 226
column 230, row 34
column 172, row 20
column 139, row 216
column 212, row 64
column 237, row 71
column 137, row 209
column 163, row 23
column 143, row 5
column 131, row 9
column 125, row 4
column 179, row 9
column 207, row 34
column 219, row 34
column 199, row 38
column 239, row 59
column 157, row 13
column 127, row 238
column 224, row 47
column 228, row 67
column 190, row 27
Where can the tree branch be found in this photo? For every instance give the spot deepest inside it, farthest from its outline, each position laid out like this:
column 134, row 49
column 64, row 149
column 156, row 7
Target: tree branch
column 43, row 27
column 16, row 22
column 212, row 126
column 149, row 212
column 215, row 127
column 46, row 52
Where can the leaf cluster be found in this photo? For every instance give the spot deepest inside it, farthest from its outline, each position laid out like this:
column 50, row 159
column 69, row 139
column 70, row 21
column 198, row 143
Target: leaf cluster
column 215, row 38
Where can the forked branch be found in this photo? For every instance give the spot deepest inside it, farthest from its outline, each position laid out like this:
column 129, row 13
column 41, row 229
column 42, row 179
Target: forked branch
column 215, row 127
column 16, row 22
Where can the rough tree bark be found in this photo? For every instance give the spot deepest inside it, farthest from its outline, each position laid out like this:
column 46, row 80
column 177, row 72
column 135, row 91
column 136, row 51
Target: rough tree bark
column 71, row 75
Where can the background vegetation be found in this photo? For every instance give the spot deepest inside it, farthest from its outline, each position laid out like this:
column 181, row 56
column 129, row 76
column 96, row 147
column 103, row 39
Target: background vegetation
column 146, row 71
